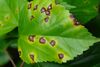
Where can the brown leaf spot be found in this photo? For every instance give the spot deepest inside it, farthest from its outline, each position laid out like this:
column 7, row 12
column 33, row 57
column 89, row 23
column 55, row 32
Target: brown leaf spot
column 47, row 12
column 42, row 40
column 31, row 38
column 46, row 19
column 43, row 9
column 35, row 7
column 76, row 22
column 49, row 7
column 52, row 43
column 61, row 56
column 7, row 17
column 32, row 57
column 29, row 5
column 31, row 18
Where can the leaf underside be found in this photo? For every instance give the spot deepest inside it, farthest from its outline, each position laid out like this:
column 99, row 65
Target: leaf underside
column 48, row 32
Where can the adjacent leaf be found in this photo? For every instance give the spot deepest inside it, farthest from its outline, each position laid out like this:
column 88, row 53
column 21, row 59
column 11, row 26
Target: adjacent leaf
column 12, row 38
column 88, row 58
column 48, row 32
column 9, row 39
column 94, row 26
column 3, row 58
column 9, row 15
column 97, row 65
column 52, row 65
column 85, row 9
column 3, row 44
column 65, row 4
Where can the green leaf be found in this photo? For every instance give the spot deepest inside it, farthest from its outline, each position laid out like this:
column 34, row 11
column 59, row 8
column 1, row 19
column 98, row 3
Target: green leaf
column 85, row 9
column 52, row 65
column 12, row 38
column 65, row 4
column 9, row 40
column 3, row 58
column 53, row 37
column 3, row 44
column 97, row 65
column 9, row 15
column 94, row 26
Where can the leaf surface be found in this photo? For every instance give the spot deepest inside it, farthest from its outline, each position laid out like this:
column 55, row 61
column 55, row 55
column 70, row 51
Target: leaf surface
column 53, row 36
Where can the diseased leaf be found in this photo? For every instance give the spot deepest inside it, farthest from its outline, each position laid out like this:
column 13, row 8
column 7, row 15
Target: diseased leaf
column 85, row 9
column 48, row 32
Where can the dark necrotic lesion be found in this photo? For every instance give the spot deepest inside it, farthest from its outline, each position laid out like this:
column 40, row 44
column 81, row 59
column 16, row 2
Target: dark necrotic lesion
column 75, row 21
column 52, row 43
column 43, row 9
column 35, row 7
column 46, row 19
column 32, row 57
column 42, row 40
column 47, row 12
column 29, row 5
column 49, row 7
column 31, row 38
column 61, row 56
column 32, row 17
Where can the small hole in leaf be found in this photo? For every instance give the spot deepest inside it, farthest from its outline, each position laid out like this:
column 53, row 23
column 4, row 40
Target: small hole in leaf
column 61, row 56
column 32, row 57
column 35, row 7
column 49, row 7
column 31, row 38
column 52, row 43
column 42, row 40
